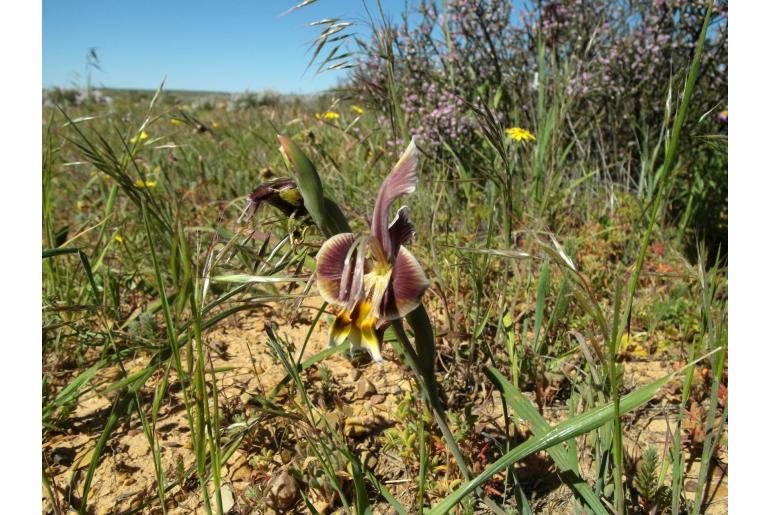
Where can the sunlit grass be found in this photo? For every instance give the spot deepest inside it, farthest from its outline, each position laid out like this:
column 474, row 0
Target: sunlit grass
column 542, row 277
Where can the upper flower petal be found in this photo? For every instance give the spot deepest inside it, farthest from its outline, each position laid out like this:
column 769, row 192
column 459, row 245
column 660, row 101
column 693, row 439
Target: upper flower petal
column 402, row 180
column 407, row 284
column 401, row 229
column 352, row 284
column 330, row 265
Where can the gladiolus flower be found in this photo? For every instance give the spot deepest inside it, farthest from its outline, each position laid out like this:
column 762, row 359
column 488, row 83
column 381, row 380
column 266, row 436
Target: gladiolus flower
column 281, row 193
column 519, row 134
column 373, row 278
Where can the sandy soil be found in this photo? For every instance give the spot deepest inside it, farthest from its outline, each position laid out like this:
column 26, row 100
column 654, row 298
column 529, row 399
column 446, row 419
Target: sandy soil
column 368, row 399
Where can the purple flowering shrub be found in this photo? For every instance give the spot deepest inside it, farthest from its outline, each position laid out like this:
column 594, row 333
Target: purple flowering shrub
column 611, row 68
column 614, row 60
column 624, row 56
column 436, row 67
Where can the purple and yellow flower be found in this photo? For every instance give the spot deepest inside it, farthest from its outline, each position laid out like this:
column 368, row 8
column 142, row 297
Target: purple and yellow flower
column 723, row 116
column 281, row 193
column 373, row 278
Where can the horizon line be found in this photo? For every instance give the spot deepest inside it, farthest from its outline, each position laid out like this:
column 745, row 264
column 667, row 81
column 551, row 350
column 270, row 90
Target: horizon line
column 190, row 90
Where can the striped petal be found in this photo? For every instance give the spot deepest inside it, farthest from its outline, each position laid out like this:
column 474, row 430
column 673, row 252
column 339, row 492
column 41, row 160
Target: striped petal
column 401, row 229
column 352, row 285
column 330, row 264
column 407, row 285
column 402, row 180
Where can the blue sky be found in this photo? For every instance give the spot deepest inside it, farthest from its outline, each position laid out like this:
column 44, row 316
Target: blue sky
column 231, row 45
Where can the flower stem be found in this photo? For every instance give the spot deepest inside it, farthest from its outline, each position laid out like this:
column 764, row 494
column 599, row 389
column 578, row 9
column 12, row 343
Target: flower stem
column 429, row 390
column 662, row 187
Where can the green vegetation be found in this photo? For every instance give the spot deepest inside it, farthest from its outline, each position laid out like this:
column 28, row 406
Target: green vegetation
column 567, row 314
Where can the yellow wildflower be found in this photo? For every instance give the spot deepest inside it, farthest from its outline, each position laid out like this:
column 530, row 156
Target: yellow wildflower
column 174, row 121
column 519, row 134
column 356, row 109
column 82, row 205
column 215, row 125
column 328, row 115
column 141, row 137
column 632, row 344
column 118, row 238
column 142, row 184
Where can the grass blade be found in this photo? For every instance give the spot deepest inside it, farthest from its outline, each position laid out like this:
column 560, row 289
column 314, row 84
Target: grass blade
column 524, row 409
column 562, row 432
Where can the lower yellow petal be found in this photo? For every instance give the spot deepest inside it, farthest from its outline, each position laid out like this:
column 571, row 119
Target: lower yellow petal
column 340, row 329
column 355, row 337
column 369, row 340
column 359, row 326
